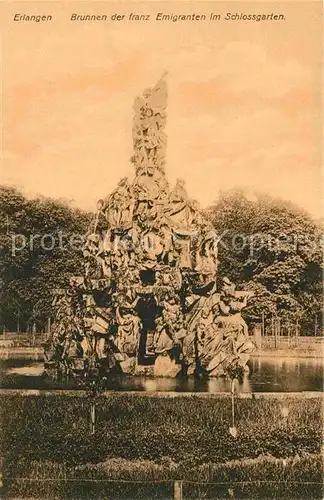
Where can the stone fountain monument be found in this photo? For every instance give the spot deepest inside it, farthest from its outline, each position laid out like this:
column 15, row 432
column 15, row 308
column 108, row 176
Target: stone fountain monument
column 147, row 301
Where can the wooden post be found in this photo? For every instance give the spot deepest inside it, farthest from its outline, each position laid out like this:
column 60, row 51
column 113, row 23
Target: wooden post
column 34, row 334
column 257, row 334
column 276, row 334
column 296, row 331
column 93, row 419
column 49, row 325
column 18, row 322
column 288, row 331
column 177, row 491
column 272, row 326
column 315, row 325
column 233, row 402
column 263, row 325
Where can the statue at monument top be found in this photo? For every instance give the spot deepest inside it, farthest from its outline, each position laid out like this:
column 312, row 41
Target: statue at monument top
column 149, row 139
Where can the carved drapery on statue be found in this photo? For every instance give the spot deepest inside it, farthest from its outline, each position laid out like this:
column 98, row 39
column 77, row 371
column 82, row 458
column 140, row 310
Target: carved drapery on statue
column 148, row 295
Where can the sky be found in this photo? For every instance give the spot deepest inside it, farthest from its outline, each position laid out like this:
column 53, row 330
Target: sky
column 244, row 105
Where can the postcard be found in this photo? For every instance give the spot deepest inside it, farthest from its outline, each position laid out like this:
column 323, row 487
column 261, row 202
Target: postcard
column 161, row 319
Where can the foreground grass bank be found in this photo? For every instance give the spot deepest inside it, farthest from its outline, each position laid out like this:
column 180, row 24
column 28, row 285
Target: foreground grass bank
column 47, row 443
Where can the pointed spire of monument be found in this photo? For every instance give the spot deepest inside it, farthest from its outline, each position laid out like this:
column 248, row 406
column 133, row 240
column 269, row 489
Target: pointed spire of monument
column 149, row 140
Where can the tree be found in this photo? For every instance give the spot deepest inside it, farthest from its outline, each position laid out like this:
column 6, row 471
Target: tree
column 40, row 249
column 272, row 247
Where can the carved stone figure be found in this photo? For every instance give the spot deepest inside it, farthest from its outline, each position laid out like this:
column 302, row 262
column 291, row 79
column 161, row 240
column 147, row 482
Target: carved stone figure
column 206, row 253
column 181, row 245
column 128, row 331
column 120, row 206
column 148, row 293
column 163, row 340
column 172, row 317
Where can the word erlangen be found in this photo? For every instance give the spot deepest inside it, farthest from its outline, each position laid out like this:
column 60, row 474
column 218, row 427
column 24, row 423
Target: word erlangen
column 34, row 18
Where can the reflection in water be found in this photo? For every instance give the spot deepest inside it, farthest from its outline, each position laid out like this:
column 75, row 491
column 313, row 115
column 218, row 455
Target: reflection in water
column 33, row 370
column 287, row 374
column 33, row 354
column 267, row 374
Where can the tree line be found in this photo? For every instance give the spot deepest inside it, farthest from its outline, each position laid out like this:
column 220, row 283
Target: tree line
column 265, row 245
column 35, row 258
column 273, row 248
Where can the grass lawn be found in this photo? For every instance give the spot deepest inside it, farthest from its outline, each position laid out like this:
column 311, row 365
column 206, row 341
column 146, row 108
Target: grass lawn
column 143, row 444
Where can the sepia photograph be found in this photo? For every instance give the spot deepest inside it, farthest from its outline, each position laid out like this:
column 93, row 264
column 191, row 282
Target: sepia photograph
column 161, row 201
